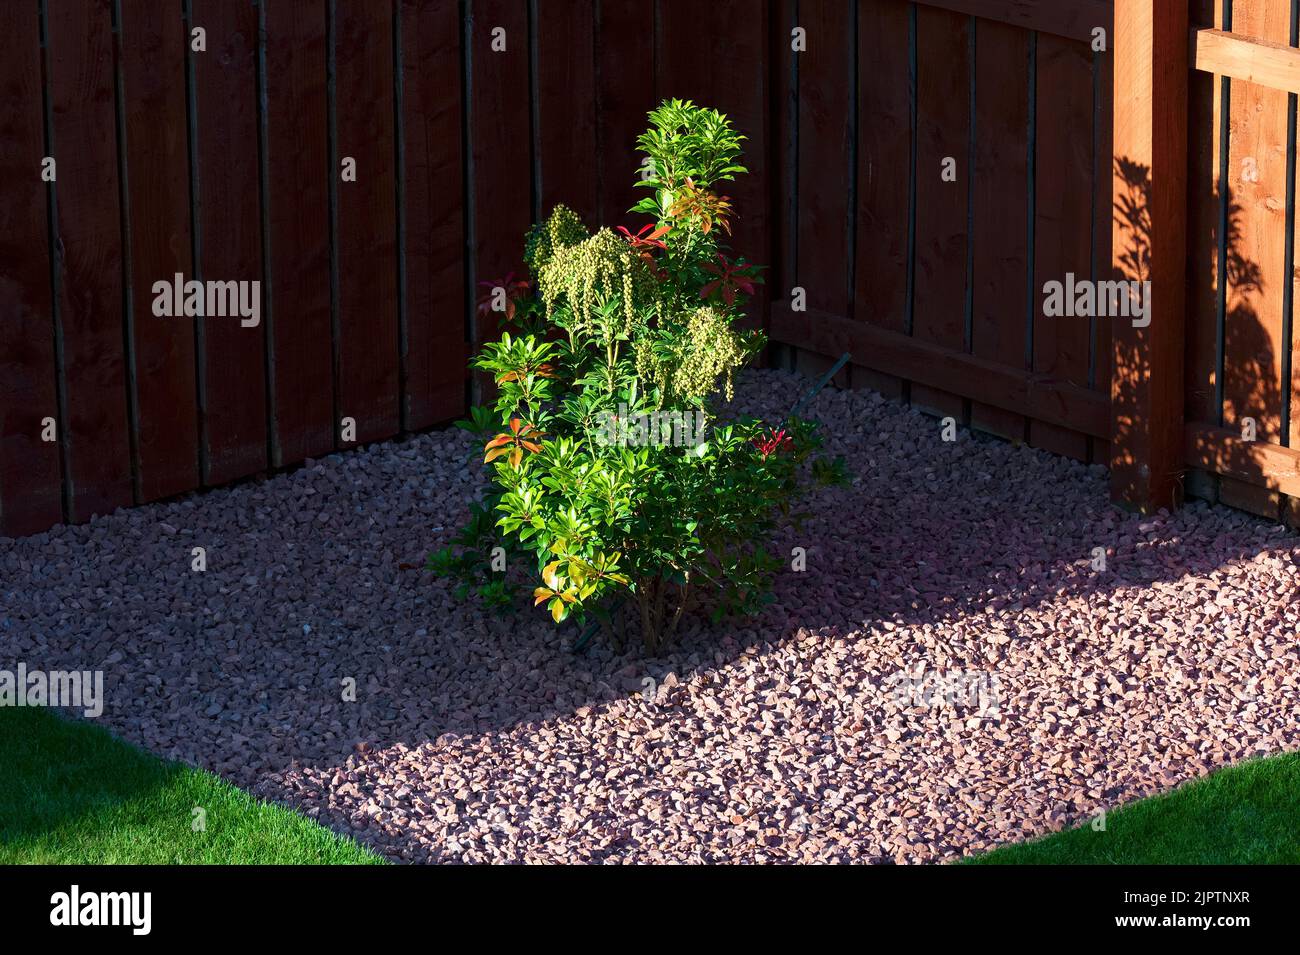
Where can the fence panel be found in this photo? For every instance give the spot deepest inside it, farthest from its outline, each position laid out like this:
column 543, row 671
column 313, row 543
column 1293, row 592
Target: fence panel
column 298, row 173
column 467, row 120
column 1000, row 212
column 232, row 355
column 717, row 56
column 1240, row 382
column 943, row 137
column 1063, row 212
column 366, row 237
column 155, row 170
column 30, row 470
column 87, row 242
column 433, row 211
column 883, row 240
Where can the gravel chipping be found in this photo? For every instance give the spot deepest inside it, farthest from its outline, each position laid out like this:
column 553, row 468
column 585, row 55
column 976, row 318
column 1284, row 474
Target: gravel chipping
column 779, row 738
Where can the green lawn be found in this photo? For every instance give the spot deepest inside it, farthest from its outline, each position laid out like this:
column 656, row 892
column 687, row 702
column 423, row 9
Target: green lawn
column 1247, row 814
column 71, row 792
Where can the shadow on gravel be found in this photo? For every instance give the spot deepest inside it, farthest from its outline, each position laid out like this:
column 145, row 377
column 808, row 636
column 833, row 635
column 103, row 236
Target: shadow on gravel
column 244, row 668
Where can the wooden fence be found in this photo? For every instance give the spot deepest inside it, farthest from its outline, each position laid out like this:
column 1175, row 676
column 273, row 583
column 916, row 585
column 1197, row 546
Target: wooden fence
column 1242, row 422
column 928, row 199
column 919, row 172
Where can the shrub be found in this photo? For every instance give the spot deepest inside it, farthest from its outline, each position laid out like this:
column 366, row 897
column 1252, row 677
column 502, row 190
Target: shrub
column 609, row 469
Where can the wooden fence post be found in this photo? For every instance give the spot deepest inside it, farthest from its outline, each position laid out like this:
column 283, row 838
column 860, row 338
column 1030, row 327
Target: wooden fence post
column 1149, row 188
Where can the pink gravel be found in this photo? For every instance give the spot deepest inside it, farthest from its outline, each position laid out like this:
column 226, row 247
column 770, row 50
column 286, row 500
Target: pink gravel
column 781, row 738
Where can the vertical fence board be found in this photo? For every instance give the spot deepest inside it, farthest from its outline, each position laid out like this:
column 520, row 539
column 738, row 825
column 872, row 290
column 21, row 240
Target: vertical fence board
column 1150, row 144
column 1102, row 232
column 566, row 107
column 943, row 130
column 1063, row 213
column 501, row 148
column 1001, row 210
column 230, row 236
column 367, row 219
column 297, row 195
column 153, row 42
column 1203, row 197
column 89, row 256
column 1291, row 388
column 785, row 119
column 884, row 148
column 717, row 57
column 625, row 70
column 824, row 267
column 30, row 495
column 1257, row 183
column 434, row 212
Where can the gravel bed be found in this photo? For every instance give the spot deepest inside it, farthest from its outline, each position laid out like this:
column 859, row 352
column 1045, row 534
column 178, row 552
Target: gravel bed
column 1054, row 690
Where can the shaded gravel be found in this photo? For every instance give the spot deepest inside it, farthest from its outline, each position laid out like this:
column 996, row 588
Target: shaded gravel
column 774, row 739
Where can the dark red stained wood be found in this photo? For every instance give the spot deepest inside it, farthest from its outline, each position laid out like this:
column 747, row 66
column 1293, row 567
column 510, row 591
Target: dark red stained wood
column 367, row 219
column 30, row 499
column 1203, row 208
column 716, row 56
column 1102, row 231
column 89, row 249
column 230, row 236
column 566, row 105
column 1150, row 132
column 1069, row 18
column 625, row 94
column 825, row 268
column 1001, row 210
column 1250, row 497
column 1062, row 219
column 298, row 171
column 884, row 174
column 1253, row 342
column 785, row 107
column 152, row 44
column 501, row 150
column 884, row 164
column 994, row 383
column 435, row 228
column 1242, row 463
column 943, row 130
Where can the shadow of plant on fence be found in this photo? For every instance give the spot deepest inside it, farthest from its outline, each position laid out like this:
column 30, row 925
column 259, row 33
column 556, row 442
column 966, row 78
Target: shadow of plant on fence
column 1250, row 388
